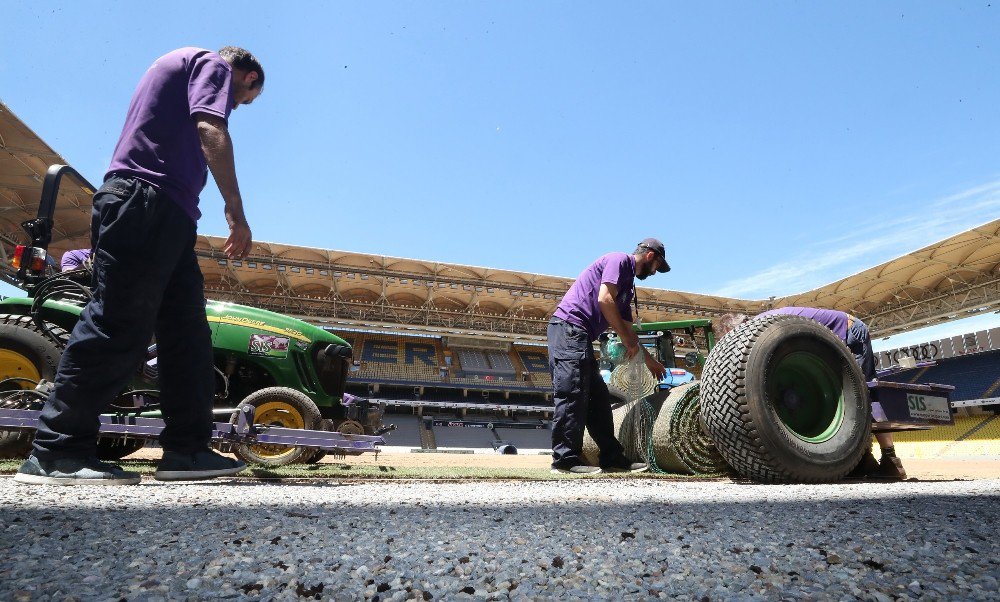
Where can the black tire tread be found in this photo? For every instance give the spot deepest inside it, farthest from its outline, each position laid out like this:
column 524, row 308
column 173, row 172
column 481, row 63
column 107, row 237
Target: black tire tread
column 16, row 443
column 310, row 415
column 727, row 417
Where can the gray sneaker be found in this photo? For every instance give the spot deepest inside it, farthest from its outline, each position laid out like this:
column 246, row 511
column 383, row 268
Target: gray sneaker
column 73, row 471
column 201, row 465
column 627, row 467
column 576, row 470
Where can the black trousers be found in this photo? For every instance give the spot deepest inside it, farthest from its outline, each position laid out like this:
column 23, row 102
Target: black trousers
column 859, row 341
column 146, row 281
column 581, row 398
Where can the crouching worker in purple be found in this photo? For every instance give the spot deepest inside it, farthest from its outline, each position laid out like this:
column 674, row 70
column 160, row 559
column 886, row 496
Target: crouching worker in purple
column 600, row 297
column 855, row 335
column 146, row 275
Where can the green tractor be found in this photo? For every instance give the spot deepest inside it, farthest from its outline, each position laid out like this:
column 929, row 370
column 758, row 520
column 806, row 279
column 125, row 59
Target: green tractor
column 291, row 372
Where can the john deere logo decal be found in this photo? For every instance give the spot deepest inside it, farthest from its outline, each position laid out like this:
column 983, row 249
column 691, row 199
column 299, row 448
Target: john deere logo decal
column 268, row 345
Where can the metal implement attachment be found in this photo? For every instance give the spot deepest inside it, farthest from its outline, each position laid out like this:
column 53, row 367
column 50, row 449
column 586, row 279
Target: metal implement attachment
column 243, row 431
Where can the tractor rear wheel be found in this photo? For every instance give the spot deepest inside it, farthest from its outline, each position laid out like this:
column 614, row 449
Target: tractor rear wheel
column 280, row 407
column 785, row 401
column 26, row 357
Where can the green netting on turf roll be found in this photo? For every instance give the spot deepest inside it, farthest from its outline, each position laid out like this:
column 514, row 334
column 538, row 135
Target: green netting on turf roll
column 677, row 442
column 665, row 433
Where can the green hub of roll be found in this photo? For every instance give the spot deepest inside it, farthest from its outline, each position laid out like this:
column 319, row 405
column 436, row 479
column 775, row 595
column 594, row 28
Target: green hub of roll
column 807, row 396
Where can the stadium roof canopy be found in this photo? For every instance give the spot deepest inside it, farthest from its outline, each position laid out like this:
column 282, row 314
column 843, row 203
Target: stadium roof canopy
column 947, row 280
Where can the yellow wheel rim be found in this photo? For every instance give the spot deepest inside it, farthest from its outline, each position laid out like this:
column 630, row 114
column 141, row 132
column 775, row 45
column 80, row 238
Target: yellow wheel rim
column 277, row 413
column 15, row 365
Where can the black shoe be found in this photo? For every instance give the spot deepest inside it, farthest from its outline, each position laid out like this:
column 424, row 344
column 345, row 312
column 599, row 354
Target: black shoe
column 201, row 465
column 73, row 471
column 580, row 469
column 891, row 468
column 867, row 467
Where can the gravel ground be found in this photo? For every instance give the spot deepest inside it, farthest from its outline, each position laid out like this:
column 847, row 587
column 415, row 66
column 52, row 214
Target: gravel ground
column 581, row 539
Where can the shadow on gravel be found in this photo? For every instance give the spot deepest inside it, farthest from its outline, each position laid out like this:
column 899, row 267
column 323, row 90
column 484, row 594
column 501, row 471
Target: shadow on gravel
column 128, row 541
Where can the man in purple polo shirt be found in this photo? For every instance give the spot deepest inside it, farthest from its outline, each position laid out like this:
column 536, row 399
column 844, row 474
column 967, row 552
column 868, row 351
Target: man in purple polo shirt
column 146, row 275
column 74, row 259
column 600, row 297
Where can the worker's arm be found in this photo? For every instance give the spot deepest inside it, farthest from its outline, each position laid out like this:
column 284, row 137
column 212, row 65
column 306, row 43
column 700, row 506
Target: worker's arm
column 606, row 301
column 218, row 148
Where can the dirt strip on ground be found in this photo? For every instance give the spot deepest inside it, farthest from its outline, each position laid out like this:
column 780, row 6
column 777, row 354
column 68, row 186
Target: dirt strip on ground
column 923, row 470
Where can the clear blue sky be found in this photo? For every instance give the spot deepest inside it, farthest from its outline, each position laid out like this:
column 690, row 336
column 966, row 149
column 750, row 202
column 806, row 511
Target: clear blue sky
column 774, row 147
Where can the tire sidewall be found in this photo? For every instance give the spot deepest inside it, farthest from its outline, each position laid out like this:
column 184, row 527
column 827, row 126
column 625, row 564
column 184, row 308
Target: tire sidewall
column 306, row 408
column 838, row 454
column 43, row 353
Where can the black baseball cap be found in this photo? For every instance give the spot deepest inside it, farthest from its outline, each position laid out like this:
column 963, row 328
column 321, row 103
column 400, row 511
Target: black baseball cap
column 654, row 245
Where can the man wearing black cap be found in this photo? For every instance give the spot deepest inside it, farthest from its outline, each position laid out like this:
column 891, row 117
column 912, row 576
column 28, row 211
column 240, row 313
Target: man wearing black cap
column 600, row 297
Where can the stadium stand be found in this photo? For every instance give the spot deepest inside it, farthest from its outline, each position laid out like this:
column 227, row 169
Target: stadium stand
column 388, row 359
column 974, row 376
column 970, row 437
column 534, row 359
column 395, row 359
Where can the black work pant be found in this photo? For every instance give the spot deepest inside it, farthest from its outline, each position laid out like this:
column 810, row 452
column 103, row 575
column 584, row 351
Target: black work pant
column 859, row 341
column 146, row 281
column 581, row 398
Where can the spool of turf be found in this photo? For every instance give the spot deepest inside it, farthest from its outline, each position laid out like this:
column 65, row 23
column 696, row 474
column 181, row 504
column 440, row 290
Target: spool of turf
column 665, row 433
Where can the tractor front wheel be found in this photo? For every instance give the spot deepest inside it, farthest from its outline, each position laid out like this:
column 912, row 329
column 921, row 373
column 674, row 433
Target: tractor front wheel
column 279, row 407
column 26, row 357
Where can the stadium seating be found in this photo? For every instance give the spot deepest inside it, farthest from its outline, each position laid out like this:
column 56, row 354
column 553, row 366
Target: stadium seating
column 534, row 359
column 409, row 361
column 973, row 376
column 970, row 437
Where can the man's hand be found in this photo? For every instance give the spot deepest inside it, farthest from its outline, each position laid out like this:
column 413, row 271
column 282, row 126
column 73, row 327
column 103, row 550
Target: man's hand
column 218, row 148
column 631, row 342
column 240, row 240
column 655, row 367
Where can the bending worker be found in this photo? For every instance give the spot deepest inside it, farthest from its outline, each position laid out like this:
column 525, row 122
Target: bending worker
column 146, row 274
column 855, row 335
column 600, row 297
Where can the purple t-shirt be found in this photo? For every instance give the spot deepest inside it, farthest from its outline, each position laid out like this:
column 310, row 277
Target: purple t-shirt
column 831, row 318
column 579, row 304
column 73, row 259
column 159, row 143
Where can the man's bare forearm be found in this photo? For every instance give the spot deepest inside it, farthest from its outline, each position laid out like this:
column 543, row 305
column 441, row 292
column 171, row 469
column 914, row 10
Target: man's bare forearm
column 618, row 324
column 606, row 301
column 218, row 148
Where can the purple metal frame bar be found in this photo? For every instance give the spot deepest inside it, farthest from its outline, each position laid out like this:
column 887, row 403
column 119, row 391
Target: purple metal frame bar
column 244, row 431
column 487, row 424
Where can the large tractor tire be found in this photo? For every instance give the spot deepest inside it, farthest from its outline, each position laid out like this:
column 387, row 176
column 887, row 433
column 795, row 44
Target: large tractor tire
column 26, row 357
column 284, row 407
column 785, row 401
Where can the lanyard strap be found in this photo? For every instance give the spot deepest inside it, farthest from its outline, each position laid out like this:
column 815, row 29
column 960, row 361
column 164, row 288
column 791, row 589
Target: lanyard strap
column 635, row 301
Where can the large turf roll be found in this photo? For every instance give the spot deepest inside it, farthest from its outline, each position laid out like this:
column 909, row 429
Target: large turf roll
column 678, row 441
column 670, row 428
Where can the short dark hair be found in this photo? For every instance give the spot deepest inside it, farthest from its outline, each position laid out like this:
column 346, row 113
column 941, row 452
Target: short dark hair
column 240, row 58
column 727, row 323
